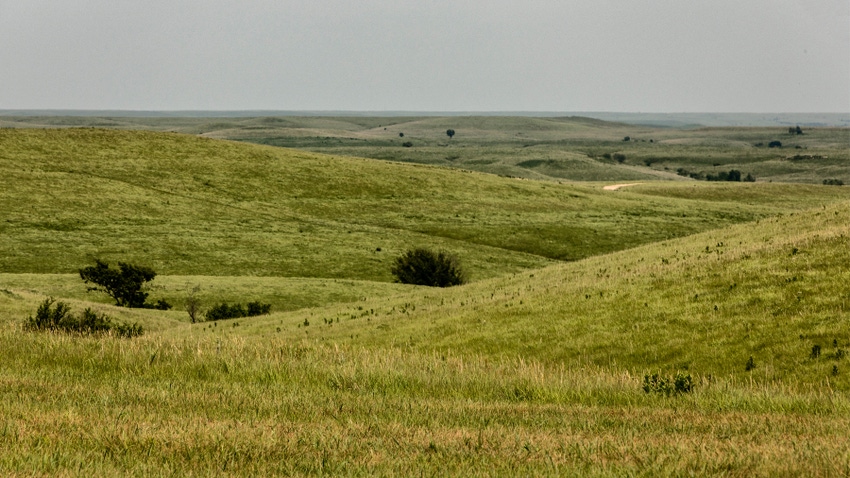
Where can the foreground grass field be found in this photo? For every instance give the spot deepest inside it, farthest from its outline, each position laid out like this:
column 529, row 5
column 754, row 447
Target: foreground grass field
column 453, row 382
column 535, row 368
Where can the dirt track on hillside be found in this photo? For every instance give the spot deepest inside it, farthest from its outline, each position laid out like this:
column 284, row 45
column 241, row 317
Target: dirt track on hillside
column 615, row 187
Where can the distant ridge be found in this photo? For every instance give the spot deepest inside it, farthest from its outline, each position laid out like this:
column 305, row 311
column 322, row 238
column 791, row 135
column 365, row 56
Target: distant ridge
column 674, row 120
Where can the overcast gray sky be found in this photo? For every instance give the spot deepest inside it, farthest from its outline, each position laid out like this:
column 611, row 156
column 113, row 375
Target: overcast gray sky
column 427, row 55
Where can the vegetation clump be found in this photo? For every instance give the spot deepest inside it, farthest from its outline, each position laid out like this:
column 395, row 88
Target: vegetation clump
column 124, row 284
column 675, row 385
column 225, row 311
column 58, row 318
column 425, row 267
column 833, row 182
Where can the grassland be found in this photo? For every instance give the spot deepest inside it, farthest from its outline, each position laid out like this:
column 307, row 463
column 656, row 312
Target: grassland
column 534, row 368
column 549, row 148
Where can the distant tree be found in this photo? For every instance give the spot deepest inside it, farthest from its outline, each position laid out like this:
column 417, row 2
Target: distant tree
column 193, row 303
column 750, row 178
column 450, row 133
column 799, row 130
column 627, row 138
column 401, row 135
column 734, row 175
column 124, row 284
column 425, row 267
column 774, row 144
column 407, row 144
column 620, row 157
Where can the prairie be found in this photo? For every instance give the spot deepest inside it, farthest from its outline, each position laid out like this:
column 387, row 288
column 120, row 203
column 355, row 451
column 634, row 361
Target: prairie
column 536, row 367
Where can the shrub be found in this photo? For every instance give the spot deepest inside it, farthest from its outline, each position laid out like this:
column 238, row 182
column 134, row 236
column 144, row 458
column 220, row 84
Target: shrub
column 425, row 267
column 676, row 385
column 59, row 318
column 774, row 144
column 450, row 133
column 225, row 311
column 833, row 182
column 124, row 284
column 47, row 317
column 407, row 144
column 619, row 157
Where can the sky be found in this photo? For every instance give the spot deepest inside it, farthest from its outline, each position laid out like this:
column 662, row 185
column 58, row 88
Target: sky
column 665, row 56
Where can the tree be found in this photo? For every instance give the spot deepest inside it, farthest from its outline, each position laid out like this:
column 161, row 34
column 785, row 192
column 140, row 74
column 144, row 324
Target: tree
column 124, row 284
column 425, row 267
column 193, row 303
column 450, row 133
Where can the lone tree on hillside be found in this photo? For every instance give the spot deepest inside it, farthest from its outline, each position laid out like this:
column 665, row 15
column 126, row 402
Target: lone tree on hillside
column 123, row 284
column 450, row 133
column 425, row 267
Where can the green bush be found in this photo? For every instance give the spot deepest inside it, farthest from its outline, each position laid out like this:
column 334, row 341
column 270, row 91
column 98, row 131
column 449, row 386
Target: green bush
column 425, row 267
column 59, row 318
column 676, row 385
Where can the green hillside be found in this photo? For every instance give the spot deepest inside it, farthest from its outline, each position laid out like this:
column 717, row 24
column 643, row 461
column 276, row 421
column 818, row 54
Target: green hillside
column 193, row 206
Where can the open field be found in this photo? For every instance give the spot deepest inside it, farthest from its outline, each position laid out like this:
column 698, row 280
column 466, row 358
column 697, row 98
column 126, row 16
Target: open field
column 534, row 368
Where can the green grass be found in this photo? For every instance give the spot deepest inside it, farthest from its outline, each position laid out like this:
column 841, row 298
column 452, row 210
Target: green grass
column 571, row 148
column 534, row 368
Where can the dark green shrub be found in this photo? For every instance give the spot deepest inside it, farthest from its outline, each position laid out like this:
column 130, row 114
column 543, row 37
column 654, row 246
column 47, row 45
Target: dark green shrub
column 751, row 364
column 256, row 308
column 161, row 304
column 425, row 267
column 47, row 317
column 833, row 182
column 620, row 157
column 225, row 311
column 59, row 318
column 407, row 144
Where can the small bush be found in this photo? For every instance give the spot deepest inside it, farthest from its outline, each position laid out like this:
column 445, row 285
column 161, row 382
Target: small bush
column 751, row 364
column 676, row 385
column 619, row 157
column 425, row 267
column 60, row 319
column 833, row 182
column 407, row 144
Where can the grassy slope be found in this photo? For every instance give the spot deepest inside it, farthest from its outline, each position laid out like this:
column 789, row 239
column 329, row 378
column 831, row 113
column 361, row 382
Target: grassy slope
column 194, row 206
column 705, row 303
column 513, row 375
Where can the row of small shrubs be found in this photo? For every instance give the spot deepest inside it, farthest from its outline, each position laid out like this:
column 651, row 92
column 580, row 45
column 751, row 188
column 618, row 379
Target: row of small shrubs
column 225, row 311
column 833, row 182
column 57, row 317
